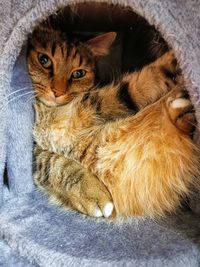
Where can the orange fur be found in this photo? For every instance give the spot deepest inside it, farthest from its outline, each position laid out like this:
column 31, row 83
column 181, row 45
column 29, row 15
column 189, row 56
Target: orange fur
column 56, row 82
column 145, row 161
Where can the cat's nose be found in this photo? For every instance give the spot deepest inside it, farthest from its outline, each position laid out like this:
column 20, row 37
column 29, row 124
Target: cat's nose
column 58, row 86
column 57, row 92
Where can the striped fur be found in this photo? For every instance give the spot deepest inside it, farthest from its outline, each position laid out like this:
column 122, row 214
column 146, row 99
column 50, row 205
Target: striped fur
column 147, row 161
column 57, row 82
column 68, row 183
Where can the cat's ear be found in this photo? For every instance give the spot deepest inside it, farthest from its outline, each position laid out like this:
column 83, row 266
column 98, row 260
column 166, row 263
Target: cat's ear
column 101, row 44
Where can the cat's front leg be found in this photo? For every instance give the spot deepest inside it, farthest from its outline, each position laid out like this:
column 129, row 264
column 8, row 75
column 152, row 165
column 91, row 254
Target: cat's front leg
column 154, row 80
column 71, row 185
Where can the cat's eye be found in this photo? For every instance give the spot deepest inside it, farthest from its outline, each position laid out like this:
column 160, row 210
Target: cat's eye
column 78, row 74
column 45, row 61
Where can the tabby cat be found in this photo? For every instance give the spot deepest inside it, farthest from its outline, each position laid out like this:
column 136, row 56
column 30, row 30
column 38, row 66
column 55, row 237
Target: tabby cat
column 145, row 162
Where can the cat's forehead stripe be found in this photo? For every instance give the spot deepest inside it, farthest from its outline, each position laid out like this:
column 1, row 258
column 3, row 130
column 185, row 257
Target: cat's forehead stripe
column 58, row 44
column 53, row 48
column 81, row 61
column 75, row 53
column 68, row 50
column 62, row 50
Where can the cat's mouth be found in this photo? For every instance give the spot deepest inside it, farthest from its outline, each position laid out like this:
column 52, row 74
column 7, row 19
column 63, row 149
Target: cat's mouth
column 51, row 100
column 48, row 102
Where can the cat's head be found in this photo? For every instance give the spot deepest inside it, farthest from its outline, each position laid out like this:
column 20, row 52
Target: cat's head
column 60, row 67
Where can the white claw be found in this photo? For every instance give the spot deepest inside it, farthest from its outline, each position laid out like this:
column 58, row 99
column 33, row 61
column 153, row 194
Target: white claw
column 108, row 209
column 98, row 213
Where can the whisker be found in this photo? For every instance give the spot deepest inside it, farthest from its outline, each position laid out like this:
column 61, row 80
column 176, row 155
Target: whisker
column 19, row 96
column 39, row 85
column 19, row 90
column 42, row 90
column 15, row 98
column 30, row 99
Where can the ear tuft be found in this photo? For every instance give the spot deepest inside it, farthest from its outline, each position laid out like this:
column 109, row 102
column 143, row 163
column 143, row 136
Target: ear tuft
column 101, row 44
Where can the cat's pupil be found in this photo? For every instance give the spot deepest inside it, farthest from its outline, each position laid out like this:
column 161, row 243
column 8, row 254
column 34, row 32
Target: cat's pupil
column 44, row 60
column 78, row 74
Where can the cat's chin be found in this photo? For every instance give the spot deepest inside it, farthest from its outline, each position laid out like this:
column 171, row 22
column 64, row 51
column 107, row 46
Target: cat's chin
column 53, row 101
column 48, row 102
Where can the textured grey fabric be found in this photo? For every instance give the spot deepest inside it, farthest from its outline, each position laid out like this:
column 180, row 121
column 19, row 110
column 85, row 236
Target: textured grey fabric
column 45, row 235
column 53, row 237
column 8, row 258
column 20, row 117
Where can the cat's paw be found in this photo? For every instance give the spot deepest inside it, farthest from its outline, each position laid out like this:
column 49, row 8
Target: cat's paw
column 181, row 111
column 93, row 198
column 102, row 211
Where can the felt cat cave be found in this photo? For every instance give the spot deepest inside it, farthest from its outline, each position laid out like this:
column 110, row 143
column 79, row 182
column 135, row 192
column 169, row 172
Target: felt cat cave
column 35, row 233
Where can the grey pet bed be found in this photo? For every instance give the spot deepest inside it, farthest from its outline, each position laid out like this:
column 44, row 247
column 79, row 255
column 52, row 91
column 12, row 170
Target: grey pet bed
column 36, row 233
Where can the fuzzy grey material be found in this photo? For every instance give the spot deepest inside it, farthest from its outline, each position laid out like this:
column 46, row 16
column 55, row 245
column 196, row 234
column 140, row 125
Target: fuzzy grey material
column 49, row 236
column 19, row 130
column 8, row 258
column 43, row 234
